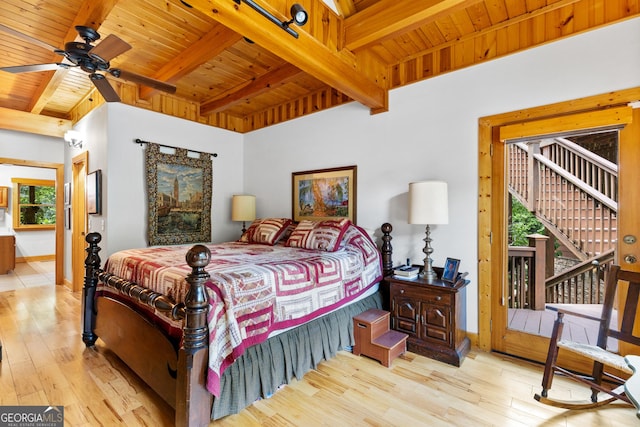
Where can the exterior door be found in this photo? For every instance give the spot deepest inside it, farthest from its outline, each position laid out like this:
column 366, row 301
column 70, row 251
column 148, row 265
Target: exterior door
column 495, row 132
column 628, row 248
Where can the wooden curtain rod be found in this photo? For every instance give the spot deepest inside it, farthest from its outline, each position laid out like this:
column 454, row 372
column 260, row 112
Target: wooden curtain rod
column 139, row 141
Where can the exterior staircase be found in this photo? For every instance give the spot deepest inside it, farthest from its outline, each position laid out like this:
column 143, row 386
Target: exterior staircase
column 572, row 191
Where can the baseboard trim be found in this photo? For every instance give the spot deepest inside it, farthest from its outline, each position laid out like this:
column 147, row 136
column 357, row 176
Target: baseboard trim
column 36, row 258
column 473, row 337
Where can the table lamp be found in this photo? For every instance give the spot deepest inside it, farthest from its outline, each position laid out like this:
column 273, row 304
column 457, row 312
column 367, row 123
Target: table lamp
column 428, row 205
column 243, row 208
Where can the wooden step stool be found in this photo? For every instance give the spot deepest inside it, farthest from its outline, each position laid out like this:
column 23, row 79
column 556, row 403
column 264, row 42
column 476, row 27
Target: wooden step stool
column 374, row 339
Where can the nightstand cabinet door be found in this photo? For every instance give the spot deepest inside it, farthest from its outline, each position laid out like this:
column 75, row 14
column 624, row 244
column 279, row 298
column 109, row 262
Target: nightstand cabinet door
column 405, row 313
column 437, row 323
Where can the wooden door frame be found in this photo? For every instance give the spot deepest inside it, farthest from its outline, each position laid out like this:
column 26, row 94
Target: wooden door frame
column 491, row 200
column 59, row 230
column 79, row 219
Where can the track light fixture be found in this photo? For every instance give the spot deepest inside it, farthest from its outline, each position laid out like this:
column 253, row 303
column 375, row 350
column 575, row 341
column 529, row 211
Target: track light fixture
column 73, row 138
column 299, row 16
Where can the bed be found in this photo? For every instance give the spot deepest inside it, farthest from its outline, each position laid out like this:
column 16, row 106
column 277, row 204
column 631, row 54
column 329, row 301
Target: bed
column 213, row 328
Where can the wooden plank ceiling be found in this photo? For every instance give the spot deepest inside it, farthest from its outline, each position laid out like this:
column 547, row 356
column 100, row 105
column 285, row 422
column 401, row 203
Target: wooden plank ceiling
column 235, row 69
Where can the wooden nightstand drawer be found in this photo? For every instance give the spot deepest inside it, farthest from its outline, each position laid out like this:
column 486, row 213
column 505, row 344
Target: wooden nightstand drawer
column 438, row 298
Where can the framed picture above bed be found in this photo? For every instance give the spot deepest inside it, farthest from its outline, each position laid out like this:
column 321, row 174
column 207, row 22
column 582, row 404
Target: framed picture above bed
column 324, row 194
column 179, row 187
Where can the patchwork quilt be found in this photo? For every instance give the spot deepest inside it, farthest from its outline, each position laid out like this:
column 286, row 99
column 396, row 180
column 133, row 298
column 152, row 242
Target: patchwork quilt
column 257, row 289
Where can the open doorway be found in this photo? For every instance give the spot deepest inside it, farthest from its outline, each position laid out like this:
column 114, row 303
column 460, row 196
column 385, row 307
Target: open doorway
column 58, row 169
column 562, row 229
column 610, row 111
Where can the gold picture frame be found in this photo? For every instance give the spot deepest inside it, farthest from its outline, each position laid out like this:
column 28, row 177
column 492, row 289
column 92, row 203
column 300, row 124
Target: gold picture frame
column 324, row 194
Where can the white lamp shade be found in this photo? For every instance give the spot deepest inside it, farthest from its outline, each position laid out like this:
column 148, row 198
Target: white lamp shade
column 243, row 207
column 428, row 203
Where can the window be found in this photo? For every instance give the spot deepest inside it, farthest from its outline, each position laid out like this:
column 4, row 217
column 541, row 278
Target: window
column 34, row 204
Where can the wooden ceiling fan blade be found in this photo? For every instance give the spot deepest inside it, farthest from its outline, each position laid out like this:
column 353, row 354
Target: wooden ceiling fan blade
column 104, row 87
column 33, row 68
column 143, row 80
column 109, row 48
column 27, row 38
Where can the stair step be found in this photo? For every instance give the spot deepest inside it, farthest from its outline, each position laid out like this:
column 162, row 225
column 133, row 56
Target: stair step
column 390, row 339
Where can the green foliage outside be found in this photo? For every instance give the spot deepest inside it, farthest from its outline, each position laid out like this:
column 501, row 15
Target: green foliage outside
column 37, row 204
column 523, row 223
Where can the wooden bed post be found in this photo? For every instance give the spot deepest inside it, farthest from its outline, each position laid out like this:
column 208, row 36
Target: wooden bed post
column 91, row 265
column 193, row 400
column 386, row 250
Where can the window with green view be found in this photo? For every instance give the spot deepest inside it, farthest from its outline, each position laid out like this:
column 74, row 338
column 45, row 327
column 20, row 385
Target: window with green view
column 34, row 204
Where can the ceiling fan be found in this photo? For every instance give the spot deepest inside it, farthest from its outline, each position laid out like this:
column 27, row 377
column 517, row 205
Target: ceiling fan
column 93, row 59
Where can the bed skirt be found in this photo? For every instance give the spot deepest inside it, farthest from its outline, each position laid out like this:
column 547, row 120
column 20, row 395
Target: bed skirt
column 264, row 367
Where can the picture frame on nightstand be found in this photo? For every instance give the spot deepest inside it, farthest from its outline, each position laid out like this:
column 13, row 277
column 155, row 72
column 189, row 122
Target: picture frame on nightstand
column 450, row 270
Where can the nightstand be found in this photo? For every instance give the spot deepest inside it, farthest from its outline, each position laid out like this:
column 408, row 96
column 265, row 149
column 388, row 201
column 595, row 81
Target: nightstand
column 432, row 314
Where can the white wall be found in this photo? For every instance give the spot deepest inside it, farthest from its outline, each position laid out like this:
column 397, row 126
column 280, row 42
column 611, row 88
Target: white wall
column 431, row 132
column 123, row 222
column 24, row 146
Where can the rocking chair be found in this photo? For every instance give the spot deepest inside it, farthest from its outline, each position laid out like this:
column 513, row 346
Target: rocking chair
column 602, row 359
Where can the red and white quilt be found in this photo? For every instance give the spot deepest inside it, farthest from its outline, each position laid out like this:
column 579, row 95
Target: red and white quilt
column 257, row 289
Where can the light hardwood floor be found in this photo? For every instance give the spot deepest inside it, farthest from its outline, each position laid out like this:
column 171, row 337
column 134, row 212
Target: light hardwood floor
column 45, row 362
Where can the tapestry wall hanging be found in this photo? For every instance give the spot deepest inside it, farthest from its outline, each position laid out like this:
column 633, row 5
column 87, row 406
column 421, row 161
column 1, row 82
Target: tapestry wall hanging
column 179, row 196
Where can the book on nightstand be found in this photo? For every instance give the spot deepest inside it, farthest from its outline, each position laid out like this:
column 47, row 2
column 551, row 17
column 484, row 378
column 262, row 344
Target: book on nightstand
column 407, row 271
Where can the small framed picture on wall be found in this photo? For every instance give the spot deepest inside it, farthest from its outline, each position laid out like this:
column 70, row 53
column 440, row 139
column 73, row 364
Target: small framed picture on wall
column 93, row 191
column 67, row 193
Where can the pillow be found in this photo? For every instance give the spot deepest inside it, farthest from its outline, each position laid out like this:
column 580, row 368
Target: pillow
column 265, row 231
column 286, row 233
column 319, row 235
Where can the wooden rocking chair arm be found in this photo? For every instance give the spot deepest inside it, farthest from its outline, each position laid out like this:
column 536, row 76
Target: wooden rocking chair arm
column 573, row 313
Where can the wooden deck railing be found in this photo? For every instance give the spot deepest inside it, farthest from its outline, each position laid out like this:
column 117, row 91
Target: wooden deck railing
column 525, row 274
column 528, row 288
column 576, row 198
column 582, row 284
column 593, row 170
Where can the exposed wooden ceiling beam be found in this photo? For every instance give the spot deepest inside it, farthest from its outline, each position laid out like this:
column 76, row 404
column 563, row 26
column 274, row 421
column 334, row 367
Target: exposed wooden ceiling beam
column 92, row 13
column 345, row 8
column 209, row 46
column 389, row 18
column 33, row 123
column 264, row 83
column 307, row 53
